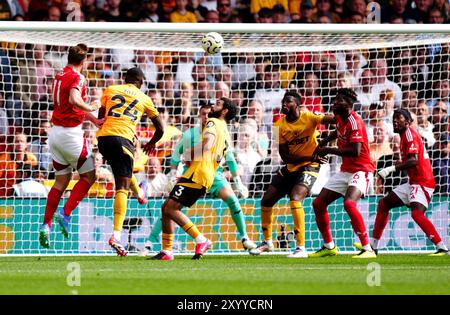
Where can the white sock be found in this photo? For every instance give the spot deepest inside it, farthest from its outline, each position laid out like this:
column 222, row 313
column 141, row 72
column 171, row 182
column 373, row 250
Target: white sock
column 375, row 243
column 200, row 239
column 270, row 242
column 367, row 248
column 117, row 235
column 141, row 193
column 441, row 245
column 245, row 236
column 302, row 248
column 168, row 252
column 330, row 245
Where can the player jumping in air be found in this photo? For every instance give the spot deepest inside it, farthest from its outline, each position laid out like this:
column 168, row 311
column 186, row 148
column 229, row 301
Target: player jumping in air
column 297, row 137
column 220, row 187
column 354, row 179
column 197, row 179
column 123, row 106
column 416, row 194
column 68, row 147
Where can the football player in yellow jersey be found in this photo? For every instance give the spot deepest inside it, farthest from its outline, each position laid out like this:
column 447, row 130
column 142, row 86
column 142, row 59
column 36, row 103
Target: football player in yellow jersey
column 297, row 140
column 197, row 180
column 122, row 106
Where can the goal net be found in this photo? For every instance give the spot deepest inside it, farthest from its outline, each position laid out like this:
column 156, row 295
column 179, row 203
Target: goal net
column 388, row 67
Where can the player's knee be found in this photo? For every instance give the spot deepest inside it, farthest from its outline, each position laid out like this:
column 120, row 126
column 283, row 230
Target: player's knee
column 319, row 205
column 89, row 177
column 349, row 205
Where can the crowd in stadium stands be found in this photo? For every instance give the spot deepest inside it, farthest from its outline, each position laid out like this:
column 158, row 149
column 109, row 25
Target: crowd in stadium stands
column 224, row 11
column 178, row 82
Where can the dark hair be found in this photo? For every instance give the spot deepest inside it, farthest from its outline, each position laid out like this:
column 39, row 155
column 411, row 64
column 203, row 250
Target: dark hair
column 232, row 108
column 348, row 94
column 134, row 75
column 204, row 104
column 77, row 54
column 405, row 113
column 293, row 94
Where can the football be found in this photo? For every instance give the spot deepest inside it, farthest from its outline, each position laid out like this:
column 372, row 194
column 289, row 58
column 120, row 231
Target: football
column 212, row 43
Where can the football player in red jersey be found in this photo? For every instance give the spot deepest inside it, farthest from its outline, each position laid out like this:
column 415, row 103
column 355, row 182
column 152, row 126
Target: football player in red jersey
column 415, row 194
column 354, row 179
column 66, row 140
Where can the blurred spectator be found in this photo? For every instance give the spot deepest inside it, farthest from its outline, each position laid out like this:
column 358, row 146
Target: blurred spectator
column 156, row 97
column 9, row 9
column 212, row 17
column 90, row 10
column 171, row 136
column 381, row 82
column 307, row 13
column 29, row 182
column 150, row 11
column 387, row 98
column 406, row 77
column 309, row 93
column 380, row 144
column 441, row 92
column 54, row 14
column 166, row 85
column 338, row 7
column 182, row 114
column 257, row 5
column 222, row 90
column 265, row 15
column 56, row 56
column 40, row 148
column 396, row 9
column 261, row 144
column 184, row 68
column 246, row 156
column 198, row 9
column 225, row 11
column 103, row 174
column 181, row 14
column 441, row 163
column 280, row 15
column 209, row 4
column 435, row 16
column 245, row 68
column 202, row 93
column 156, row 181
column 271, row 94
column 409, row 100
column 444, row 7
column 113, row 12
column 384, row 186
column 146, row 61
column 225, row 74
column 351, row 61
column 377, row 118
column 439, row 117
column 424, row 127
column 4, row 120
column 287, row 69
column 357, row 18
column 364, row 90
column 420, row 12
column 324, row 9
column 323, row 19
column 12, row 162
column 358, row 6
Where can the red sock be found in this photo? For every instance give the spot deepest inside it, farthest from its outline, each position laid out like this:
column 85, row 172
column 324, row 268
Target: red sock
column 53, row 198
column 426, row 225
column 381, row 220
column 357, row 221
column 79, row 191
column 322, row 219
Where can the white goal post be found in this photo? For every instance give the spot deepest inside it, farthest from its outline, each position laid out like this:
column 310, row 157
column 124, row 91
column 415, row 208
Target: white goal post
column 389, row 66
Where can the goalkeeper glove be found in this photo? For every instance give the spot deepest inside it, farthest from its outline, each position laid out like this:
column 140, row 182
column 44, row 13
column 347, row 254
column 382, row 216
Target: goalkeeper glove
column 386, row 171
column 240, row 187
column 172, row 179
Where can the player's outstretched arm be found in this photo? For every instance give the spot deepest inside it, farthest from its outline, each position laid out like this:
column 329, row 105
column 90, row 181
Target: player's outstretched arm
column 76, row 100
column 159, row 131
column 411, row 162
column 234, row 169
column 353, row 151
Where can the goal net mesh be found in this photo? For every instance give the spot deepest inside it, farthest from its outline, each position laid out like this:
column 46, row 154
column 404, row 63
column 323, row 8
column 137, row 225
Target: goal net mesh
column 388, row 71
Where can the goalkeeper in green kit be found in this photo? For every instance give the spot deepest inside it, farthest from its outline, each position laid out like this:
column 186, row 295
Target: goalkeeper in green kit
column 221, row 187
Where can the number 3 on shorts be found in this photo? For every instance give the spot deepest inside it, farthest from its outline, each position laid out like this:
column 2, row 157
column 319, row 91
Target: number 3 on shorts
column 179, row 192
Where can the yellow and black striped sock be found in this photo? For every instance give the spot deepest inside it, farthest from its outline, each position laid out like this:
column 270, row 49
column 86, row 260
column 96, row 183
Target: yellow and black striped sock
column 120, row 208
column 298, row 214
column 167, row 241
column 191, row 229
column 266, row 222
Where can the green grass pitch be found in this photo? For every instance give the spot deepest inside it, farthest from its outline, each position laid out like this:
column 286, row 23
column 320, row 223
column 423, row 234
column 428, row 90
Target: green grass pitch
column 220, row 275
